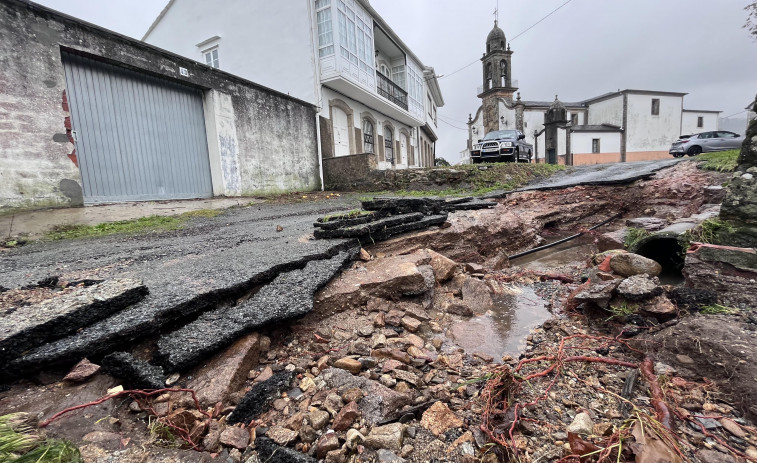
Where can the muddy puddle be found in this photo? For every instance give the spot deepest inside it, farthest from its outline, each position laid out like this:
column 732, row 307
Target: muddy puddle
column 504, row 329
column 571, row 252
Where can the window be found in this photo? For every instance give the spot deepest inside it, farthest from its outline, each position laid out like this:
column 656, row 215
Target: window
column 655, row 106
column 700, row 122
column 430, row 105
column 388, row 145
column 368, row 136
column 355, row 36
column 398, row 76
column 325, row 28
column 595, row 145
column 211, row 57
column 574, row 118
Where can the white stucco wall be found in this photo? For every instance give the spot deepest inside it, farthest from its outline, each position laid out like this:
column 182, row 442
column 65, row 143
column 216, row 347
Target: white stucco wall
column 259, row 41
column 609, row 142
column 357, row 110
column 689, row 122
column 647, row 132
column 608, row 111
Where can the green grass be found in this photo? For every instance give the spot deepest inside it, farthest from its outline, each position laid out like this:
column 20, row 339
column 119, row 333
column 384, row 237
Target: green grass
column 706, row 232
column 153, row 223
column 717, row 309
column 633, row 236
column 19, row 443
column 345, row 215
column 721, row 161
column 478, row 179
column 622, row 310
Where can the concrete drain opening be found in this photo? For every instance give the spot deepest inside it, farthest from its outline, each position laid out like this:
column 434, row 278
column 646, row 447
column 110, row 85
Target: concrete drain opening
column 666, row 250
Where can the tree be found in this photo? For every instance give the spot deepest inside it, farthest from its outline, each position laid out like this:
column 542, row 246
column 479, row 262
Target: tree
column 751, row 19
column 441, row 162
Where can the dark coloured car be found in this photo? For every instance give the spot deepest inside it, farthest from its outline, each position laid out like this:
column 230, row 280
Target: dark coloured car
column 706, row 142
column 502, row 146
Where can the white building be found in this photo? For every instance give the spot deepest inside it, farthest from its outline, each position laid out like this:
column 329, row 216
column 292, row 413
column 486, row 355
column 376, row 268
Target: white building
column 627, row 125
column 373, row 94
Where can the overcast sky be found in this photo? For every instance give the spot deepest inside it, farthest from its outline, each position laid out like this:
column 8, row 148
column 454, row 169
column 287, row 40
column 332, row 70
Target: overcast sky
column 585, row 49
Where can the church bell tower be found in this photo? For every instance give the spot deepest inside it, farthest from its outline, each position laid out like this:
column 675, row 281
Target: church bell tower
column 497, row 77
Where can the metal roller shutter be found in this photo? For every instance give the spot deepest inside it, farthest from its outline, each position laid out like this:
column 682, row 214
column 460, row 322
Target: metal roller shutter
column 138, row 137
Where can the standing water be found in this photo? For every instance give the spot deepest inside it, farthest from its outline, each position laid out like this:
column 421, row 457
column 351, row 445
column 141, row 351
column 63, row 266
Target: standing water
column 502, row 330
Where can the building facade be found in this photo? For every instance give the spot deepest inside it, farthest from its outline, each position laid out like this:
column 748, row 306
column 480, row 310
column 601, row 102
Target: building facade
column 627, row 125
column 374, row 96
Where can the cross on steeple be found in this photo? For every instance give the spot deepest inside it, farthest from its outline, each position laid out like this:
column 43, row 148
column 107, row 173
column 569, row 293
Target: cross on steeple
column 496, row 14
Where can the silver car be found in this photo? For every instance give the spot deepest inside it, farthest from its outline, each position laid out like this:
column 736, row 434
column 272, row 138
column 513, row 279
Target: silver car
column 706, row 142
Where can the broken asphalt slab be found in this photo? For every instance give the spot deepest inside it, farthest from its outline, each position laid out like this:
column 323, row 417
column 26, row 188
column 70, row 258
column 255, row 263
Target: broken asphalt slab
column 187, row 271
column 26, row 327
column 594, row 175
column 257, row 401
column 289, row 295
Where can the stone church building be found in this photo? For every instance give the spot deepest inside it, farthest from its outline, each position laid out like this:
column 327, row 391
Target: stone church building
column 626, row 125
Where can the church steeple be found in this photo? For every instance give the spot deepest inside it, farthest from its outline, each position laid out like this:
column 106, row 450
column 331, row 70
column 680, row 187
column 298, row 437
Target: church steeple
column 497, row 64
column 498, row 82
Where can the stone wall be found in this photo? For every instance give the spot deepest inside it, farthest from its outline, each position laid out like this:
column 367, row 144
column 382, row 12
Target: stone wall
column 272, row 137
column 350, row 173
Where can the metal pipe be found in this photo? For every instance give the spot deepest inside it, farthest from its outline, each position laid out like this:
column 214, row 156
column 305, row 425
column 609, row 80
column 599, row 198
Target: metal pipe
column 547, row 246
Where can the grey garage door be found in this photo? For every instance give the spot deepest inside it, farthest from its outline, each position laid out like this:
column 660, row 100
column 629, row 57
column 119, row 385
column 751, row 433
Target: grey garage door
column 138, row 137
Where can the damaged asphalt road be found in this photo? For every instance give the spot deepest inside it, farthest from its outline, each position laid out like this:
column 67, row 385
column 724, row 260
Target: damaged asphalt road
column 187, row 271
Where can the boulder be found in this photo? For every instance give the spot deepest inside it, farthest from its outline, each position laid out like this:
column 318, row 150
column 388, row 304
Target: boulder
column 346, row 416
column 439, row 419
column 612, row 240
column 597, row 292
column 457, row 308
column 647, row 223
column 639, row 288
column 629, row 264
column 582, row 424
column 659, row 305
column 352, row 365
column 379, row 402
column 226, row 372
column 444, row 267
column 238, row 438
column 82, row 371
column 476, row 295
column 389, row 437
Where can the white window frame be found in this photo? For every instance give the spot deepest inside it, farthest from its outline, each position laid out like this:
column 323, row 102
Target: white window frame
column 209, row 58
column 325, row 27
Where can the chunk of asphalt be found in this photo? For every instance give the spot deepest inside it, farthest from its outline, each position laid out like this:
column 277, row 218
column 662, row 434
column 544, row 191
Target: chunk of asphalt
column 469, row 205
column 31, row 326
column 425, row 222
column 370, row 228
column 135, row 373
column 269, row 452
column 342, row 223
column 288, row 295
column 174, row 300
column 256, row 402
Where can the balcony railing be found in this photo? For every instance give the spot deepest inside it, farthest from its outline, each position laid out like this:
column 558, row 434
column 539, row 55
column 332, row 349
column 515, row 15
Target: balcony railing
column 391, row 91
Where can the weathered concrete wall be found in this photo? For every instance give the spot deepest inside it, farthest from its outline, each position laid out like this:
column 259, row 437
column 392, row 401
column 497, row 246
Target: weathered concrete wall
column 347, row 173
column 646, row 132
column 259, row 140
column 689, row 121
column 608, row 111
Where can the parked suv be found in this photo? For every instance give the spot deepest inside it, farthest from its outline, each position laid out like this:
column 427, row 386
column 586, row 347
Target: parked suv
column 706, row 142
column 502, row 146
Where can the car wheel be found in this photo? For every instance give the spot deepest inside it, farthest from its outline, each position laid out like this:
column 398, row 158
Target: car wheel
column 694, row 150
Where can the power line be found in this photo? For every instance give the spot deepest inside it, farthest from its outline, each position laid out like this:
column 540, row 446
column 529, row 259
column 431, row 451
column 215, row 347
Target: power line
column 736, row 114
column 452, row 125
column 542, row 19
column 521, row 33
